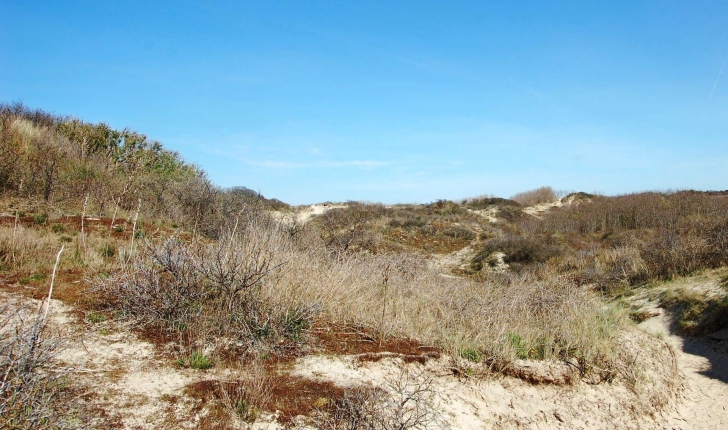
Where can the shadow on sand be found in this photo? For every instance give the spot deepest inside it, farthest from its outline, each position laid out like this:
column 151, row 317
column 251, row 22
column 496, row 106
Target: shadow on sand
column 714, row 348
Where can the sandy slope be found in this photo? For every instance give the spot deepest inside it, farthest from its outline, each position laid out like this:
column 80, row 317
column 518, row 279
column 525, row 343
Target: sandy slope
column 502, row 402
column 703, row 365
column 305, row 214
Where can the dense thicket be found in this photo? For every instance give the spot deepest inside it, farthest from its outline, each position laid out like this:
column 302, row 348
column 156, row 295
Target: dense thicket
column 62, row 161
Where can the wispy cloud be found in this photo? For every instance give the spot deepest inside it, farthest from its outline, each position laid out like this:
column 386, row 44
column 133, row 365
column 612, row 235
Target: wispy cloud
column 716, row 79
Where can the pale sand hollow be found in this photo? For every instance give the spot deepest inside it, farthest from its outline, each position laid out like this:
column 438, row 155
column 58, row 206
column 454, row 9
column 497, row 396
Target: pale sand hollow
column 304, row 215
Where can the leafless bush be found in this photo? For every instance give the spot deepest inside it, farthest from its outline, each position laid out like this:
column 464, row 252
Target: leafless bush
column 347, row 229
column 535, row 196
column 406, row 401
column 29, row 387
column 212, row 288
column 670, row 211
column 671, row 254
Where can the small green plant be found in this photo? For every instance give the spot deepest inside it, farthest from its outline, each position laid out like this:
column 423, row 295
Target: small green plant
column 140, row 234
column 33, row 277
column 262, row 332
column 516, row 340
column 65, row 239
column 108, row 250
column 471, row 354
column 58, row 228
column 95, row 318
column 175, row 225
column 104, row 332
column 242, row 408
column 118, row 228
column 40, row 219
column 196, row 360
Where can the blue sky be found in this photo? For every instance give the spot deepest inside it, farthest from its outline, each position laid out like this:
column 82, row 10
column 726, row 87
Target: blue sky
column 393, row 101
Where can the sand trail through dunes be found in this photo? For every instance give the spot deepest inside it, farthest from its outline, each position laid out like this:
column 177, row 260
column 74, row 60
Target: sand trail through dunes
column 703, row 366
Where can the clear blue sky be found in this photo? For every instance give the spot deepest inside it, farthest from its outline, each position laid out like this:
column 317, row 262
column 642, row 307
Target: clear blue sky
column 393, row 101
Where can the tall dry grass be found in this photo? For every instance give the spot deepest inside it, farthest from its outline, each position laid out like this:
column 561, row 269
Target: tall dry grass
column 183, row 283
column 536, row 196
column 517, row 317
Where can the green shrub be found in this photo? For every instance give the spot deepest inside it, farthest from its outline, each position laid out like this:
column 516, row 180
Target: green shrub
column 40, row 219
column 471, row 354
column 522, row 352
column 446, row 207
column 33, row 277
column 196, row 360
column 95, row 318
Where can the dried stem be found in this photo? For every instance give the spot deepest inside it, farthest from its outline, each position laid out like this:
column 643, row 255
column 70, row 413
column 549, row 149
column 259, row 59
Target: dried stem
column 133, row 229
column 83, row 215
column 53, row 278
column 15, row 226
column 385, row 282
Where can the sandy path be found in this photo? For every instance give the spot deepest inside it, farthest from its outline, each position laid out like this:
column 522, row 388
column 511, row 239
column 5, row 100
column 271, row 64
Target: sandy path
column 319, row 209
column 703, row 365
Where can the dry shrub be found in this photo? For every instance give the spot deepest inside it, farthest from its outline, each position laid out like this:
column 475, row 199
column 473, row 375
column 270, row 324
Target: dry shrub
column 244, row 398
column 676, row 233
column 405, row 401
column 29, row 387
column 651, row 210
column 520, row 251
column 212, row 288
column 610, row 270
column 671, row 254
column 486, row 202
column 535, row 196
column 350, row 229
